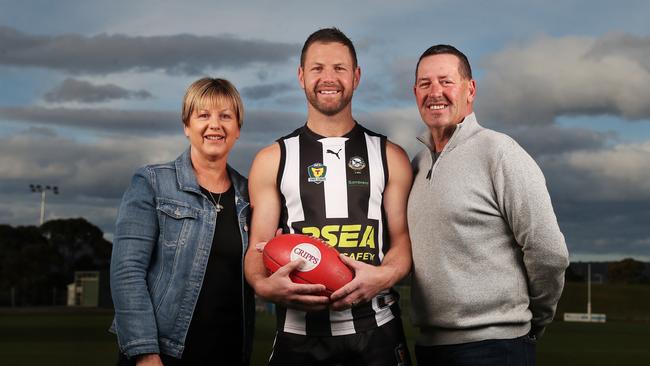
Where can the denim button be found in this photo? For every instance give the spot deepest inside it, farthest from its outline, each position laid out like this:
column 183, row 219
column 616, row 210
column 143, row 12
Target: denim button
column 245, row 227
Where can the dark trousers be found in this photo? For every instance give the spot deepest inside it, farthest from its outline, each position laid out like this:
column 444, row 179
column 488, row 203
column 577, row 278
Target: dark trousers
column 383, row 346
column 492, row 352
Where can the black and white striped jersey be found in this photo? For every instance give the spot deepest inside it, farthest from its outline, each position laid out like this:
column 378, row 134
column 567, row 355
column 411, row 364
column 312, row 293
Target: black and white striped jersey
column 332, row 188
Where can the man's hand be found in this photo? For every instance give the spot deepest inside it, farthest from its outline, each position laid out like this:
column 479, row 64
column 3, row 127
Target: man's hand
column 152, row 359
column 368, row 281
column 280, row 289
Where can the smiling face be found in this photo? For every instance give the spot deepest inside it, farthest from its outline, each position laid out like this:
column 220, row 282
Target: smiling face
column 328, row 77
column 443, row 96
column 212, row 129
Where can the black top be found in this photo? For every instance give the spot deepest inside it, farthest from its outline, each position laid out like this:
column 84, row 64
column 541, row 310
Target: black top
column 215, row 333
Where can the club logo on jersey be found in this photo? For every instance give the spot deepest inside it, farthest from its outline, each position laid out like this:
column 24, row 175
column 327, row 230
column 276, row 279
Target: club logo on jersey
column 357, row 164
column 317, row 172
column 309, row 254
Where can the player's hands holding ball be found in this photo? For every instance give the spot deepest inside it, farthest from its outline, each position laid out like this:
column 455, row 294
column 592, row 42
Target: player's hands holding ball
column 281, row 289
column 368, row 281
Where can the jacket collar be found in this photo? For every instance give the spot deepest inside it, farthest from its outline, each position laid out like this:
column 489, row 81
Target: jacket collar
column 187, row 179
column 185, row 174
column 239, row 183
column 464, row 130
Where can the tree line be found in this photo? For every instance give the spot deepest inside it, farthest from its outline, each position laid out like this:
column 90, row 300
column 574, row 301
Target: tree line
column 625, row 271
column 37, row 263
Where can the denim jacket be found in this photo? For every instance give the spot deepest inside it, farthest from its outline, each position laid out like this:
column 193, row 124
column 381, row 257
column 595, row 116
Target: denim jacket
column 164, row 231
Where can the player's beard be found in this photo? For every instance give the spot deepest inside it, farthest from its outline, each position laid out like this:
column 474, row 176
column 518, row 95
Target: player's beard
column 328, row 109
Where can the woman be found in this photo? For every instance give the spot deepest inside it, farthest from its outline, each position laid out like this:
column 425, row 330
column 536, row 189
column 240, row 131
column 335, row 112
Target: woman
column 176, row 269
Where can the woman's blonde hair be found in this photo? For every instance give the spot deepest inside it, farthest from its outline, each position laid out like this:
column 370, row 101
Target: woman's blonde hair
column 211, row 91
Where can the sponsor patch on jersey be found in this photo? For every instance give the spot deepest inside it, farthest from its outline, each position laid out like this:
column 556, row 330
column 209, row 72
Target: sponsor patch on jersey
column 358, row 183
column 357, row 164
column 317, row 173
column 344, row 236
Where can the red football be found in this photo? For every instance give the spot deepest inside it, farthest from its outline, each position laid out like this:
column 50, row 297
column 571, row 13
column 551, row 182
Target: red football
column 321, row 265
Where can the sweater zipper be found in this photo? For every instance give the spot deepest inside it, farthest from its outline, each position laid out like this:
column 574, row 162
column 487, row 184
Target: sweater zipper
column 444, row 150
column 433, row 161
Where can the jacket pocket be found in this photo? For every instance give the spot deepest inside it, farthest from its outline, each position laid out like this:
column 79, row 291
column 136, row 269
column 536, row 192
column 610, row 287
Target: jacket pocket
column 176, row 220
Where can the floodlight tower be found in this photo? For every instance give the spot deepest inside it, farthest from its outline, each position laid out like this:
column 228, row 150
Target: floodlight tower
column 589, row 291
column 37, row 188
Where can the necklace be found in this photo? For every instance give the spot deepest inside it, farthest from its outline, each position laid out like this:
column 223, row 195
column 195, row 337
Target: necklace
column 216, row 202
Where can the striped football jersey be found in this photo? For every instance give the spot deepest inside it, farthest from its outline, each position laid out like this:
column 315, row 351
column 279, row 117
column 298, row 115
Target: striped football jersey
column 332, row 188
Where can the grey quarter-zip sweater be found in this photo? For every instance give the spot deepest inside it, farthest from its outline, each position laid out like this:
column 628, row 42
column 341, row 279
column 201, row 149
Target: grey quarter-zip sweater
column 488, row 254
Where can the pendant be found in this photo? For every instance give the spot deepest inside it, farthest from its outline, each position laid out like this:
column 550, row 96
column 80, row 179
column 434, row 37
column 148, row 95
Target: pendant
column 218, row 207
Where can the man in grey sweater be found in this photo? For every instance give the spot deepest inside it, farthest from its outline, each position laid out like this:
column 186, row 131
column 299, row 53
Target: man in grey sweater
column 488, row 255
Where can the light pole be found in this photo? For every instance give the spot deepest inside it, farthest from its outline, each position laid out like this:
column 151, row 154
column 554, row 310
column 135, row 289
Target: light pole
column 37, row 188
column 589, row 291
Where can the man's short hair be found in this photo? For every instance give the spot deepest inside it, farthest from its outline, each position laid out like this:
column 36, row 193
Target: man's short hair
column 207, row 92
column 464, row 68
column 328, row 35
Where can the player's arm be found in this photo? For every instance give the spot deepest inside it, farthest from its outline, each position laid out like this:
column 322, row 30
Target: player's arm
column 398, row 260
column 370, row 280
column 265, row 205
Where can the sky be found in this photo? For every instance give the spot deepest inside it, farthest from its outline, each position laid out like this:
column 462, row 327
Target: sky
column 91, row 90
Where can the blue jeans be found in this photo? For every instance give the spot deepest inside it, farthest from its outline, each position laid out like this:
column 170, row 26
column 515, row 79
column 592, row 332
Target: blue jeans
column 492, row 352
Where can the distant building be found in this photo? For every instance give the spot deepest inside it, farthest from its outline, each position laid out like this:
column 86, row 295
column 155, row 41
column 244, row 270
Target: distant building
column 84, row 291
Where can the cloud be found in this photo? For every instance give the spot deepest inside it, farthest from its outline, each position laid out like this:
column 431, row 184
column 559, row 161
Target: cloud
column 100, row 168
column 265, row 91
column 552, row 140
column 97, row 119
column 620, row 173
column 401, row 125
column 623, row 45
column 73, row 90
column 391, row 87
column 615, row 174
column 91, row 175
column 403, row 78
column 590, row 198
column 24, row 209
column 109, row 53
column 606, row 229
column 260, row 125
column 266, row 126
column 40, row 131
column 531, row 84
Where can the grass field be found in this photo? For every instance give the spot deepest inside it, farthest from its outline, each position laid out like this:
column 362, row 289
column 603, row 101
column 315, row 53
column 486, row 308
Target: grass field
column 61, row 337
column 620, row 302
column 69, row 337
column 57, row 338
